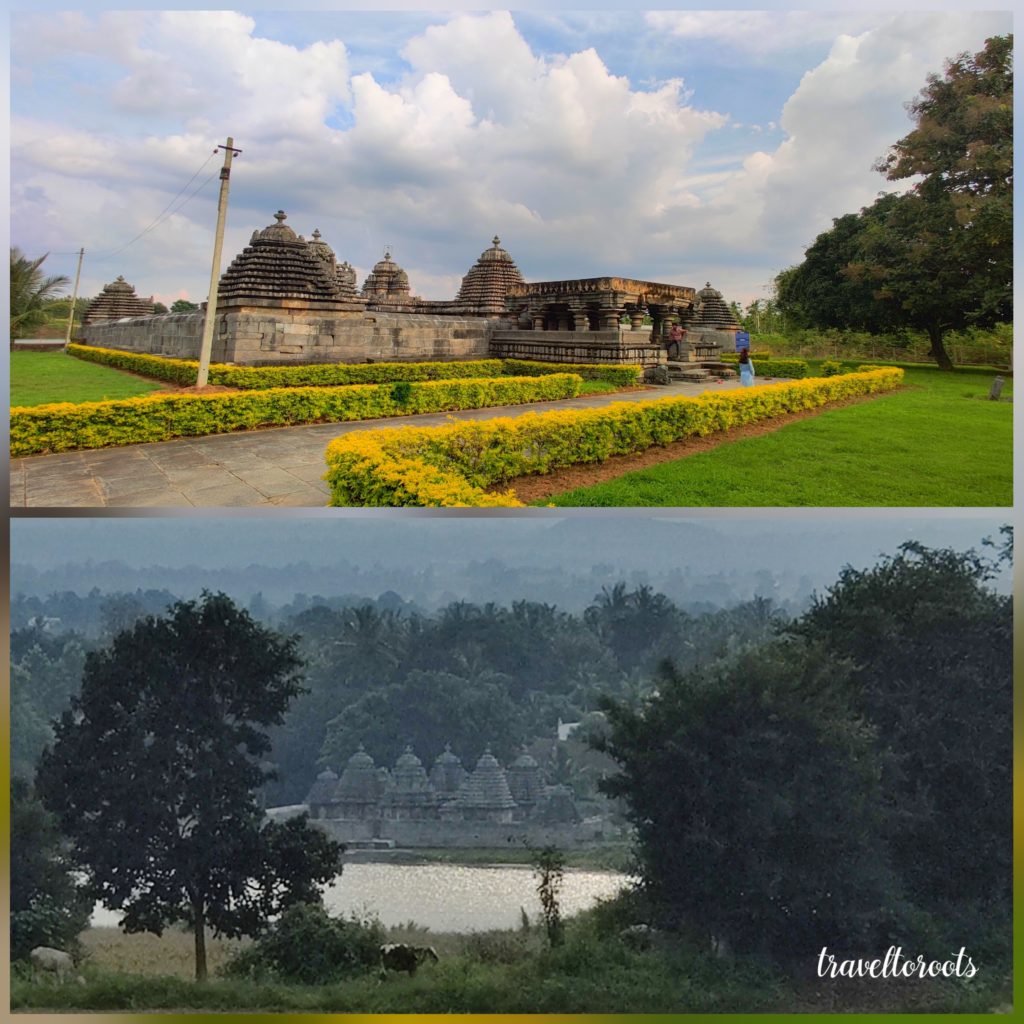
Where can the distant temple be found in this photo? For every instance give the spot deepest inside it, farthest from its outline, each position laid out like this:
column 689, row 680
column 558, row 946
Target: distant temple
column 449, row 806
column 284, row 299
column 117, row 300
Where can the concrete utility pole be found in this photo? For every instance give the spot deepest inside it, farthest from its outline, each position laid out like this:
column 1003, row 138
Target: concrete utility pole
column 74, row 297
column 211, row 302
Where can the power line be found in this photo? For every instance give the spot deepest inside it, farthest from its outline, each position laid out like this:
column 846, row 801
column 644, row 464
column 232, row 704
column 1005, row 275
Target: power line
column 163, row 215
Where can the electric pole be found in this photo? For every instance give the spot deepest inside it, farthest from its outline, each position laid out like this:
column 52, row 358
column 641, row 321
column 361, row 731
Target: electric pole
column 211, row 302
column 74, row 296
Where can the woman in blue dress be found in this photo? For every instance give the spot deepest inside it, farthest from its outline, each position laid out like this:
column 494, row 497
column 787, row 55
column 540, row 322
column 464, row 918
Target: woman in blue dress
column 746, row 369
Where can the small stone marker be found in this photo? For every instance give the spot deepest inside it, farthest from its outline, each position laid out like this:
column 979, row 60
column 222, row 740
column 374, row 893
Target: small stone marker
column 996, row 390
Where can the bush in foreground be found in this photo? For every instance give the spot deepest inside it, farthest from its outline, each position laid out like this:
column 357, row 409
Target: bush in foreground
column 453, row 465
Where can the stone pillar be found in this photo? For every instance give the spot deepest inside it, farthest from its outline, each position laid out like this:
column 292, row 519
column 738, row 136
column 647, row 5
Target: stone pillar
column 657, row 327
column 610, row 317
column 636, row 318
column 537, row 318
column 580, row 319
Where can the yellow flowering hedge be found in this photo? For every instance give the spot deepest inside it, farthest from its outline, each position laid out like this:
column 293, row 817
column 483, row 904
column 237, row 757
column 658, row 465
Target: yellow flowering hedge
column 65, row 425
column 453, row 465
column 184, row 371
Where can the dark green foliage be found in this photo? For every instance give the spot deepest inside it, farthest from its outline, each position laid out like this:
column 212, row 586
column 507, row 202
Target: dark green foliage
column 930, row 646
column 427, row 710
column 755, row 795
column 831, row 368
column 183, row 306
column 48, row 906
column 170, row 724
column 400, row 392
column 31, row 293
column 308, row 946
column 939, row 257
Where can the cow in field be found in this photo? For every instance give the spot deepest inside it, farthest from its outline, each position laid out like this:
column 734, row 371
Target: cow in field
column 53, row 961
column 397, row 956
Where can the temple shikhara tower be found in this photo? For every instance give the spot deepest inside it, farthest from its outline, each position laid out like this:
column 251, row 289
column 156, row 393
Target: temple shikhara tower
column 117, row 300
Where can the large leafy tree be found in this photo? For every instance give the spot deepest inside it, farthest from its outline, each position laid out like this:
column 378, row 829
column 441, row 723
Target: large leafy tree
column 753, row 789
column 938, row 257
column 31, row 292
column 931, row 648
column 49, row 906
column 154, row 769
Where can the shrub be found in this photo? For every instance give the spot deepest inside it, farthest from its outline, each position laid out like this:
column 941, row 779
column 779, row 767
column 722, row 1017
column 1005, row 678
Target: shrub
column 794, row 369
column 248, row 378
column 831, row 368
column 453, row 465
column 309, row 946
column 623, row 376
column 63, row 426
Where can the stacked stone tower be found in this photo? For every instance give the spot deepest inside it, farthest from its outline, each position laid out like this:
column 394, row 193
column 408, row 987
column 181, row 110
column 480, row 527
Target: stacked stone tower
column 485, row 795
column 488, row 281
column 117, row 300
column 279, row 269
column 387, row 287
column 712, row 312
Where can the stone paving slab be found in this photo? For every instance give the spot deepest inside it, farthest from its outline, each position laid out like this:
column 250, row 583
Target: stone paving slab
column 278, row 466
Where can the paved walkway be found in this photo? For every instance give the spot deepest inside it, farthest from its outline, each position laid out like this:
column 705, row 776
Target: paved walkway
column 276, row 466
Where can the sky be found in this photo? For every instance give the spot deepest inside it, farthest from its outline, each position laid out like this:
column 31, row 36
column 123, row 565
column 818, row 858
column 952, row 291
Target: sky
column 674, row 146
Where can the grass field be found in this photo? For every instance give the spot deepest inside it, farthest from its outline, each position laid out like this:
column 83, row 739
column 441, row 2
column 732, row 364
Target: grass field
column 937, row 442
column 498, row 972
column 41, row 377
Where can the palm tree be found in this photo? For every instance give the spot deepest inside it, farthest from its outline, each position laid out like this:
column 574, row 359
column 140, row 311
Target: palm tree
column 30, row 293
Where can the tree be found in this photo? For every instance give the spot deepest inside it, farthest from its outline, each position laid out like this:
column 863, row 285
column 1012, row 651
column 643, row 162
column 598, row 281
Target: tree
column 48, row 906
column 753, row 790
column 154, row 768
column 159, row 307
column 183, row 306
column 931, row 649
column 30, row 292
column 939, row 257
column 549, row 871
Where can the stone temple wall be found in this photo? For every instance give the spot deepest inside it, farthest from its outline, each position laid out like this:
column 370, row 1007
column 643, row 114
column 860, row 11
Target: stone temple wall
column 617, row 346
column 275, row 337
column 463, row 834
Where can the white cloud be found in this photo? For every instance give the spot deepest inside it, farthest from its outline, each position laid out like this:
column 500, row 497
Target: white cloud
column 580, row 170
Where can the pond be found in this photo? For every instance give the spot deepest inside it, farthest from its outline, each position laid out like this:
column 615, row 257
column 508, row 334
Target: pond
column 449, row 897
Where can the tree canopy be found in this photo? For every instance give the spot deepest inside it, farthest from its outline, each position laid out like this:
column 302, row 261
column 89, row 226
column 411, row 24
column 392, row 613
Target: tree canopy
column 31, row 291
column 939, row 256
column 154, row 769
column 850, row 781
column 49, row 907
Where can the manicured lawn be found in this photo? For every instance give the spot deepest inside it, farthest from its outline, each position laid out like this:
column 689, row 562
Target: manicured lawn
column 41, row 377
column 938, row 442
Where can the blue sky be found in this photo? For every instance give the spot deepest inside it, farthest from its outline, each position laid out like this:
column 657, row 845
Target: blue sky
column 678, row 146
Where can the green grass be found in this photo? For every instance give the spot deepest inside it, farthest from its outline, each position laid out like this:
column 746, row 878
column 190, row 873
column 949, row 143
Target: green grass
column 38, row 378
column 937, row 442
column 595, row 971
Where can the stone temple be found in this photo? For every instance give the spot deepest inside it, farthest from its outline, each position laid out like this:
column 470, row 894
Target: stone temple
column 285, row 299
column 448, row 806
column 117, row 300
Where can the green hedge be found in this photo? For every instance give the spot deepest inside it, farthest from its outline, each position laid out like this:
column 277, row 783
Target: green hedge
column 794, row 369
column 614, row 374
column 454, row 465
column 183, row 371
column 64, row 426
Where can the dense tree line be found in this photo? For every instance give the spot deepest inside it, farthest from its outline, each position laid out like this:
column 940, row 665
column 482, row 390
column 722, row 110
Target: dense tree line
column 380, row 674
column 848, row 784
